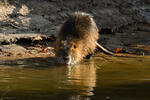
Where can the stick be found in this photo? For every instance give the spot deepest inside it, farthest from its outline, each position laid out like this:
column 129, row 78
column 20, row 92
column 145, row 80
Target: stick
column 105, row 50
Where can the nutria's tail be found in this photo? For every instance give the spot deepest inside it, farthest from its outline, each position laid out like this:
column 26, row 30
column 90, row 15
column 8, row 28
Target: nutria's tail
column 105, row 50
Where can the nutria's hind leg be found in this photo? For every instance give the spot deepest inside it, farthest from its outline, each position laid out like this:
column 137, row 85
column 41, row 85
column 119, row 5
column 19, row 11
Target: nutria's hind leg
column 89, row 56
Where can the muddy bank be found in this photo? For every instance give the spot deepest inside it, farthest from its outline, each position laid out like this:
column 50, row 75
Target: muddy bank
column 26, row 46
column 131, row 43
column 124, row 24
column 136, row 42
column 47, row 15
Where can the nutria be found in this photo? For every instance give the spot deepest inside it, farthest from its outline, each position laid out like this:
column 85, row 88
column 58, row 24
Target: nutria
column 76, row 38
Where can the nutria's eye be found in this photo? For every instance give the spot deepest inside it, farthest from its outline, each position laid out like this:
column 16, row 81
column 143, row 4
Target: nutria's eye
column 75, row 46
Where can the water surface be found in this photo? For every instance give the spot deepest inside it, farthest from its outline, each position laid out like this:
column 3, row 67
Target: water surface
column 123, row 78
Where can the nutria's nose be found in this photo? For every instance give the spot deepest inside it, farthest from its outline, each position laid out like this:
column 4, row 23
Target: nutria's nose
column 66, row 58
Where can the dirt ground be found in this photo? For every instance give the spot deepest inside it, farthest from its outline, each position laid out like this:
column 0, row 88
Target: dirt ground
column 28, row 27
column 131, row 43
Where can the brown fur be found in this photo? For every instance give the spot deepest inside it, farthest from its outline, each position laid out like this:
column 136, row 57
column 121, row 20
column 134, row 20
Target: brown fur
column 76, row 39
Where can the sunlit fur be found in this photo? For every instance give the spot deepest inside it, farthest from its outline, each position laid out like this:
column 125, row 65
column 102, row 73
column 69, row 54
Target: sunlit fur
column 76, row 39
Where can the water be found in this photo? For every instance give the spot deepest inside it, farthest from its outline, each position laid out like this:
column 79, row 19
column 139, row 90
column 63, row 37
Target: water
column 101, row 78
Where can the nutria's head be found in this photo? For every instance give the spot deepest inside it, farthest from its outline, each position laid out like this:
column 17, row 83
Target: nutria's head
column 69, row 51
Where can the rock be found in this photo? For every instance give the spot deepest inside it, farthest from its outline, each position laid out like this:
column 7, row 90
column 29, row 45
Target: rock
column 12, row 38
column 24, row 10
column 33, row 22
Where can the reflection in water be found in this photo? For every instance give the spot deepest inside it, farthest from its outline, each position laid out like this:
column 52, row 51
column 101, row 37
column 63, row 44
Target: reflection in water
column 83, row 77
column 41, row 79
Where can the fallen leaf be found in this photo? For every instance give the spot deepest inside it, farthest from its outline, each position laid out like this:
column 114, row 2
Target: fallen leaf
column 9, row 54
column 119, row 50
column 19, row 54
column 30, row 52
column 44, row 50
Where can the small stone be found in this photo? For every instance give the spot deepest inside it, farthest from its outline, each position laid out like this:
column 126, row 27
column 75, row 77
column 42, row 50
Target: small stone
column 107, row 97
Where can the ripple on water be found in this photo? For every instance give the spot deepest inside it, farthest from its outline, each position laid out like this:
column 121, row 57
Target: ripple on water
column 116, row 78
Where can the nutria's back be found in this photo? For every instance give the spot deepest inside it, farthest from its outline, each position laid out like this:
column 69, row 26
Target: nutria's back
column 78, row 25
column 77, row 38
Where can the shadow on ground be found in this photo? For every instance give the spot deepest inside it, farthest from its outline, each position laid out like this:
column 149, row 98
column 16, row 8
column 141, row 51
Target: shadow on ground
column 30, row 62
